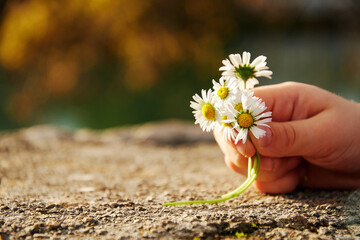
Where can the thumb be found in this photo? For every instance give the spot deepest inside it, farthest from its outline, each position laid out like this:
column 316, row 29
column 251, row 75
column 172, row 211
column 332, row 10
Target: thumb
column 292, row 138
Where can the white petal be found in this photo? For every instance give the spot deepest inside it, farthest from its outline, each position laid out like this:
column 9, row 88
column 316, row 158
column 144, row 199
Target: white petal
column 241, row 84
column 264, row 115
column 261, row 68
column 197, row 98
column 263, row 122
column 245, row 134
column 203, row 94
column 231, row 134
column 226, row 62
column 257, row 132
column 242, row 135
column 246, row 58
column 231, row 109
column 258, row 61
column 222, row 83
column 224, row 68
column 257, row 110
column 237, row 139
column 228, row 120
column 215, row 84
column 257, row 106
column 209, row 96
column 264, row 73
column 195, row 105
column 228, row 73
column 233, row 83
column 233, row 60
column 245, row 102
column 238, row 58
column 250, row 83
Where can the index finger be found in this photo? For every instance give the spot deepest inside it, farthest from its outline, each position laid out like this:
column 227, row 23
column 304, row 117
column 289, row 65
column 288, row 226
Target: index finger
column 292, row 101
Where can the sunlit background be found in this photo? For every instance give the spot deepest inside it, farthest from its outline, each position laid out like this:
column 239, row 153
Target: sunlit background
column 106, row 63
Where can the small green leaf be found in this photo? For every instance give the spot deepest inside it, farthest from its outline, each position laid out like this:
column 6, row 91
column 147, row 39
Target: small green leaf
column 240, row 235
column 253, row 225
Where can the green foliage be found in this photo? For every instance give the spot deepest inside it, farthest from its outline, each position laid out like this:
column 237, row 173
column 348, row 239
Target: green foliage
column 241, row 235
column 253, row 225
column 235, row 234
column 242, row 231
column 245, row 72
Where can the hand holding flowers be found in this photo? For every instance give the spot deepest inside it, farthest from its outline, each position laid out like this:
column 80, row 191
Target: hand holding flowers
column 234, row 110
column 313, row 141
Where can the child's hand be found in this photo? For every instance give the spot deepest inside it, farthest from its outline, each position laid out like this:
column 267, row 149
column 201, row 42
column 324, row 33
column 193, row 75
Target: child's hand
column 314, row 141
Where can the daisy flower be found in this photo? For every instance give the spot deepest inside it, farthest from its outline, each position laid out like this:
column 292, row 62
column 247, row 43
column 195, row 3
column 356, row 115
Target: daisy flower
column 227, row 130
column 225, row 90
column 205, row 112
column 246, row 72
column 247, row 115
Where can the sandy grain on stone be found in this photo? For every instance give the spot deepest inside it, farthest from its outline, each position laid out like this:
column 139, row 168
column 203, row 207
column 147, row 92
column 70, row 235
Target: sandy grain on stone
column 58, row 184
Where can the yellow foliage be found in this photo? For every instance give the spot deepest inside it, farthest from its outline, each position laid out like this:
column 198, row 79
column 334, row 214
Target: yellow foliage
column 54, row 42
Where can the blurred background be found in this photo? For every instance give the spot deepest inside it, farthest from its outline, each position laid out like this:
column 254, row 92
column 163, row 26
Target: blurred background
column 105, row 63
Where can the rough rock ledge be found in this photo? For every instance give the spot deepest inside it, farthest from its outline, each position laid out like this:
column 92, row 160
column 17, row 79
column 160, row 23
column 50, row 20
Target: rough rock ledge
column 83, row 184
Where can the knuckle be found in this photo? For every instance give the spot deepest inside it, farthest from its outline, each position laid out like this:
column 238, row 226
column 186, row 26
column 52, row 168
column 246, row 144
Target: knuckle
column 283, row 143
column 289, row 136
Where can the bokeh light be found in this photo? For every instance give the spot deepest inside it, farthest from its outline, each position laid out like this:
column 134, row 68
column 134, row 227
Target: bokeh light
column 103, row 63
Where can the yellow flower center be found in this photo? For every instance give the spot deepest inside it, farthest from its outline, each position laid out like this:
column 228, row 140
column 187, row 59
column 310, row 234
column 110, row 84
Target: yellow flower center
column 225, row 124
column 245, row 120
column 239, row 107
column 208, row 111
column 223, row 92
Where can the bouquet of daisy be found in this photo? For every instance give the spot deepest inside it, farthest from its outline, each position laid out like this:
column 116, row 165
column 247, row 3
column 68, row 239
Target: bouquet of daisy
column 232, row 109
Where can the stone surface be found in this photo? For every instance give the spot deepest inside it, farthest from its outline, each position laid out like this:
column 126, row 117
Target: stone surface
column 59, row 184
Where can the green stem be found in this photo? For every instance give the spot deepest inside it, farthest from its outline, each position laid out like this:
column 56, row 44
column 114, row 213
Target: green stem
column 245, row 184
column 249, row 166
column 196, row 202
column 251, row 178
column 253, row 172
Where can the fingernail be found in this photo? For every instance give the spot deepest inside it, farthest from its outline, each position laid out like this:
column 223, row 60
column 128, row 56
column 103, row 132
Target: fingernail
column 267, row 164
column 266, row 140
